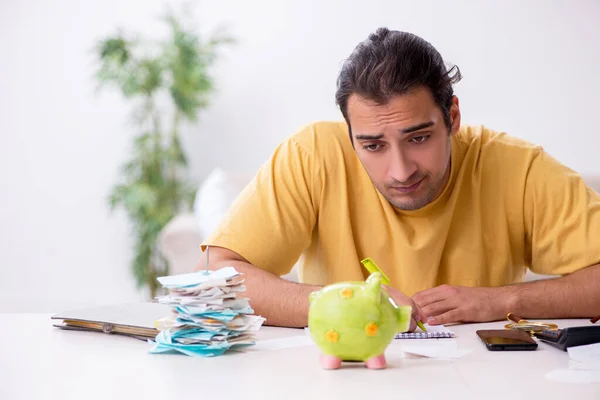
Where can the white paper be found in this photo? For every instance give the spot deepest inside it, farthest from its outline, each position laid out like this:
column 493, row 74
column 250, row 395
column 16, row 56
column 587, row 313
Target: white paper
column 584, row 365
column 193, row 301
column 197, row 277
column 586, row 353
column 435, row 349
column 585, row 357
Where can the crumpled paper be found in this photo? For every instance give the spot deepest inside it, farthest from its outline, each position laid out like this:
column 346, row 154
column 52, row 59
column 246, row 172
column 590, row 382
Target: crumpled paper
column 584, row 365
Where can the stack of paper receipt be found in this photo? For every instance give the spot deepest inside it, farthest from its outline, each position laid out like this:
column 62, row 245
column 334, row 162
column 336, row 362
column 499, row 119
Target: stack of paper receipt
column 210, row 316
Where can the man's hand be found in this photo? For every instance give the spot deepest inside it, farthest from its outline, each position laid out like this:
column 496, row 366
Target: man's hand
column 446, row 304
column 403, row 300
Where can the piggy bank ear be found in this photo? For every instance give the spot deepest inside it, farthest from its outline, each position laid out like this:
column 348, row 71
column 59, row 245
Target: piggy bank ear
column 374, row 279
column 404, row 316
column 374, row 284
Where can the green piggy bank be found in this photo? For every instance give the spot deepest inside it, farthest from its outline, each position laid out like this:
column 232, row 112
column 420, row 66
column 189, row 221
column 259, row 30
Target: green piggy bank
column 355, row 321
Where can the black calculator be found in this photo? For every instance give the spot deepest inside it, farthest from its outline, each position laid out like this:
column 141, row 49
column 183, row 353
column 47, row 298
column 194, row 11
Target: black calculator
column 570, row 337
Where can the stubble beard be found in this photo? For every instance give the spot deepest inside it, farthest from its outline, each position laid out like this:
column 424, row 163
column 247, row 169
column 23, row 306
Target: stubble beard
column 430, row 193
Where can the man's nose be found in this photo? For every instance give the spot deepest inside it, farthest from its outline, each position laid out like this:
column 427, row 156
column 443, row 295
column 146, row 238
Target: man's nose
column 402, row 168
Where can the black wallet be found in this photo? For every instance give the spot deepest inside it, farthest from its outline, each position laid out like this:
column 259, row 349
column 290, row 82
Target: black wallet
column 570, row 337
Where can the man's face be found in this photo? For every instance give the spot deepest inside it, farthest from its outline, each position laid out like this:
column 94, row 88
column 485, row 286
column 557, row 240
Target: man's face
column 404, row 146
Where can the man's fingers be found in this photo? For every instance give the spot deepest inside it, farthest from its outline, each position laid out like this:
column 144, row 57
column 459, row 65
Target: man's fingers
column 413, row 325
column 449, row 317
column 438, row 308
column 417, row 313
column 432, row 295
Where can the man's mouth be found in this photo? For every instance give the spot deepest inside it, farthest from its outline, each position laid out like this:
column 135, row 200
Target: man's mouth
column 407, row 189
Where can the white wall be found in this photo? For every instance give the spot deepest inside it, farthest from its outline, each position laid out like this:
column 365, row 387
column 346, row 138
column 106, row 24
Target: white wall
column 530, row 68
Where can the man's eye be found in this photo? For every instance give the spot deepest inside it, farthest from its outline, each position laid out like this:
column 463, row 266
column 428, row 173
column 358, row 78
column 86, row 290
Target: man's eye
column 372, row 147
column 420, row 139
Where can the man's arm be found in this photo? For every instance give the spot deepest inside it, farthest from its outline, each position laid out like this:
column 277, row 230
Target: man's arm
column 281, row 302
column 571, row 296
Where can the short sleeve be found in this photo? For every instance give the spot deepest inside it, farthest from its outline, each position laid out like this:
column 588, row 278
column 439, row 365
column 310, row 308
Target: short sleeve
column 270, row 223
column 562, row 219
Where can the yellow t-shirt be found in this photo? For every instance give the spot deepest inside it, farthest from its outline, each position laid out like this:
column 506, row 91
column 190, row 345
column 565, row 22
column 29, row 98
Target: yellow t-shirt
column 507, row 206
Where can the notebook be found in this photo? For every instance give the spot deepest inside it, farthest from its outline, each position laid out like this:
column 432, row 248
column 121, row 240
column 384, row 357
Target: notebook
column 433, row 332
column 136, row 320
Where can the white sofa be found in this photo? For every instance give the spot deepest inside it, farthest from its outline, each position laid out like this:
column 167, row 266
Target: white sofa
column 181, row 238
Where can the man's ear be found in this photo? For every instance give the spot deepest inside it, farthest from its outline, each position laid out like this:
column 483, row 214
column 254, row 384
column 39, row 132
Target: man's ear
column 454, row 116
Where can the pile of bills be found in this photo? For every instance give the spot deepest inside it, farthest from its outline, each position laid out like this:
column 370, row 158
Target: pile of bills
column 210, row 316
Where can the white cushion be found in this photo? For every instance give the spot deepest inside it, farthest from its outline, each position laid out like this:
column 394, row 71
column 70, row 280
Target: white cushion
column 215, row 196
column 179, row 242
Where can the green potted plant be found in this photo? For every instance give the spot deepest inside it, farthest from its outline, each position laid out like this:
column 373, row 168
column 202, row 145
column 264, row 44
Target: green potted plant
column 154, row 186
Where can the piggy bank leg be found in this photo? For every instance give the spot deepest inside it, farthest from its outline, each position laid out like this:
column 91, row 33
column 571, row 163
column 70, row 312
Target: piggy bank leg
column 377, row 362
column 330, row 362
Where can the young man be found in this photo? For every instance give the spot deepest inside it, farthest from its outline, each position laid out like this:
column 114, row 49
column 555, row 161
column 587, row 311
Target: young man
column 453, row 214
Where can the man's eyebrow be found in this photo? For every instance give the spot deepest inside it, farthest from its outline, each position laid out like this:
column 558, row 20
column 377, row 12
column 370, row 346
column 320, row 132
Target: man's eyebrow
column 369, row 137
column 408, row 130
column 418, row 127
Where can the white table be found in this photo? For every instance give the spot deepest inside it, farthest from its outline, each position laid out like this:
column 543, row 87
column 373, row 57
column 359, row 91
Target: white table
column 38, row 361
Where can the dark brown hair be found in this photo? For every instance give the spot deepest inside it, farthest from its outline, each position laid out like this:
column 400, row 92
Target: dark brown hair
column 391, row 63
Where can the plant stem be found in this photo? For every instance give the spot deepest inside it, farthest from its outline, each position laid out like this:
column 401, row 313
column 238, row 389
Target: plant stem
column 152, row 282
column 176, row 121
column 175, row 158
